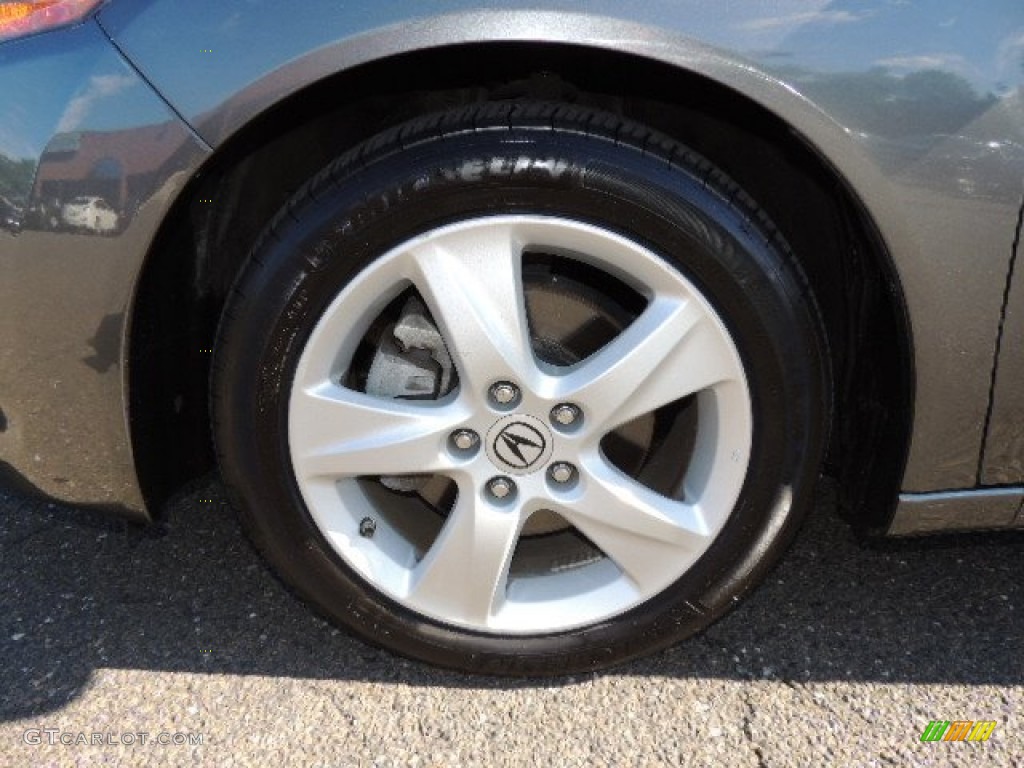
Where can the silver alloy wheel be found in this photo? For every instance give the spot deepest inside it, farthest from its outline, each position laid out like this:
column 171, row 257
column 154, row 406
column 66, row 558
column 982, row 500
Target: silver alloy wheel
column 471, row 279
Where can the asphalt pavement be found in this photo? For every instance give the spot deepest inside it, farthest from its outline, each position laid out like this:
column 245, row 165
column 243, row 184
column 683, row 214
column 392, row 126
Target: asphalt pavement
column 174, row 645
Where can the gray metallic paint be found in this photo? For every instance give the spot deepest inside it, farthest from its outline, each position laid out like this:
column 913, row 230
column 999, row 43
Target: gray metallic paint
column 1004, row 444
column 990, row 508
column 65, row 297
column 951, row 244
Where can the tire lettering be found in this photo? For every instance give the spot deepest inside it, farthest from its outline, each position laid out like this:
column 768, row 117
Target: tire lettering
column 555, row 168
column 472, row 170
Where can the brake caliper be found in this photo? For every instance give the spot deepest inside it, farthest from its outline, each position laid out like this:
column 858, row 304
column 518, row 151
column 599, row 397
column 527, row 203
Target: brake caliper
column 411, row 363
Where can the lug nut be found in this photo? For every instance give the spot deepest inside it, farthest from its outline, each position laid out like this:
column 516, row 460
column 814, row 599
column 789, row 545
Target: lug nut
column 565, row 414
column 500, row 487
column 504, row 392
column 562, row 472
column 465, row 439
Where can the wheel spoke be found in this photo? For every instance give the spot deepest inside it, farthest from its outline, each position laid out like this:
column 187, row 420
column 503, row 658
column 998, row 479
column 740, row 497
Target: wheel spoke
column 672, row 350
column 647, row 535
column 472, row 282
column 464, row 574
column 344, row 433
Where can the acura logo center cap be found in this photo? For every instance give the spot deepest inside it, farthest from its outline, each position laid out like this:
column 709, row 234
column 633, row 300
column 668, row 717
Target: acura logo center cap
column 519, row 444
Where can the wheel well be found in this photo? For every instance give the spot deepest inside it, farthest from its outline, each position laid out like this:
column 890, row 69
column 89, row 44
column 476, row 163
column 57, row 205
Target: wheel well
column 207, row 235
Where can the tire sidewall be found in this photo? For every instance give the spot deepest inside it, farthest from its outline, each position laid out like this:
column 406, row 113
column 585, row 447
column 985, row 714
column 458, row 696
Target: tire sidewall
column 315, row 251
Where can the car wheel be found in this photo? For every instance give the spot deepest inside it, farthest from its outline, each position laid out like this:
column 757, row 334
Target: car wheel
column 521, row 389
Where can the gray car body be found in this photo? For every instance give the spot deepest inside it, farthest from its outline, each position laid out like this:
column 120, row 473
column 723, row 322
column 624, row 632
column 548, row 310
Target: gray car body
column 177, row 81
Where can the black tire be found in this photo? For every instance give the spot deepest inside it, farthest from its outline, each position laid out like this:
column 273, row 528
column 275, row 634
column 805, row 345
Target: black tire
column 544, row 159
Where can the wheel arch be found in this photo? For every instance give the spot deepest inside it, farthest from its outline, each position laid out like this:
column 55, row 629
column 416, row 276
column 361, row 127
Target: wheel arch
column 812, row 199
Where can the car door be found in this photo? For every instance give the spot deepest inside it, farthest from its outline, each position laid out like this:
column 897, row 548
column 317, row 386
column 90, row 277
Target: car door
column 1003, row 460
